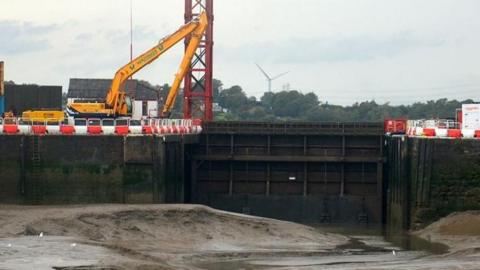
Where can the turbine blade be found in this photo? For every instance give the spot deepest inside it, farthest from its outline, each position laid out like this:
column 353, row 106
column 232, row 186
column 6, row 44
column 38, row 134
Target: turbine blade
column 280, row 75
column 263, row 71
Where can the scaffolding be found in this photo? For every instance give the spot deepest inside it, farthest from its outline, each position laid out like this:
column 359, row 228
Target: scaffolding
column 198, row 83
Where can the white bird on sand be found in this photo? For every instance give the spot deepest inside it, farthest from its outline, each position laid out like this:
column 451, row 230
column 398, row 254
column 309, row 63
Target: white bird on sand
column 41, row 234
column 9, row 245
column 394, row 253
column 73, row 244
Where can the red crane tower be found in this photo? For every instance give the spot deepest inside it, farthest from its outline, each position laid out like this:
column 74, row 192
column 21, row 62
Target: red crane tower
column 198, row 94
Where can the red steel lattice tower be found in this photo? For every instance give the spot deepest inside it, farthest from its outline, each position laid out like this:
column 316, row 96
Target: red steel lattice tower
column 198, row 83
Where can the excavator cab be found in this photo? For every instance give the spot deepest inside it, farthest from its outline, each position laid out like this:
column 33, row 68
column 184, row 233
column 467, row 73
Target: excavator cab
column 128, row 101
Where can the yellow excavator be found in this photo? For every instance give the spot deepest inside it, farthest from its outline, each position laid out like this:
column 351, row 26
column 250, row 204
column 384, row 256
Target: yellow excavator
column 117, row 103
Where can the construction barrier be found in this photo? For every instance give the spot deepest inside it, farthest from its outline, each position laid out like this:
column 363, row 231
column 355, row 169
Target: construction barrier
column 440, row 129
column 439, row 132
column 53, row 127
column 454, row 133
column 135, row 127
column 121, row 127
column 107, row 126
column 24, row 126
column 67, row 130
column 10, row 126
column 429, row 132
column 39, row 129
column 97, row 127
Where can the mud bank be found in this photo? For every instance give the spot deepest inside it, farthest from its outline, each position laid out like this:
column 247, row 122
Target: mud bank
column 460, row 231
column 163, row 236
column 196, row 237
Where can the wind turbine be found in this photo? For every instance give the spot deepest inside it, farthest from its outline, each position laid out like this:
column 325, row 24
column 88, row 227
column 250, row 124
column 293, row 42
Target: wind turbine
column 270, row 79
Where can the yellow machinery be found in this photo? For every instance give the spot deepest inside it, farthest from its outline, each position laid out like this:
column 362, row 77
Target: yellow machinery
column 8, row 114
column 116, row 101
column 43, row 115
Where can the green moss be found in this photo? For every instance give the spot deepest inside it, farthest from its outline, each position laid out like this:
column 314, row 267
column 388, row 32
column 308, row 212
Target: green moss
column 107, row 169
column 133, row 175
column 93, row 169
column 67, row 170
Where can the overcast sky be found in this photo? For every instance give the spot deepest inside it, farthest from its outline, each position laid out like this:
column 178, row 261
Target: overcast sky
column 343, row 50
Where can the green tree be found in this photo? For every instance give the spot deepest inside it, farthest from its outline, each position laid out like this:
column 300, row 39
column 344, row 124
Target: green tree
column 233, row 99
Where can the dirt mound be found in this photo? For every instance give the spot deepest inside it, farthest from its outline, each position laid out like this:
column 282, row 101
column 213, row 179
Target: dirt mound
column 467, row 223
column 155, row 232
column 460, row 231
column 459, row 223
column 177, row 226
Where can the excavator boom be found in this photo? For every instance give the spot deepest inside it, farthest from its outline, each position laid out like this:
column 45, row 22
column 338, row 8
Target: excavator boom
column 185, row 65
column 115, row 102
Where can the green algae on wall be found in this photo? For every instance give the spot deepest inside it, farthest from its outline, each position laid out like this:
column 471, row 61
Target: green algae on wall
column 434, row 177
column 89, row 169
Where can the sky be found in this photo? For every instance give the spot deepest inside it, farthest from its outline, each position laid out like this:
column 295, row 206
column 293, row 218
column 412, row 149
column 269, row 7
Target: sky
column 345, row 51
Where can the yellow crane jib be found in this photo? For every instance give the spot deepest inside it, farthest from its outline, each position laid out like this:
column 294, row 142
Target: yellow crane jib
column 116, row 100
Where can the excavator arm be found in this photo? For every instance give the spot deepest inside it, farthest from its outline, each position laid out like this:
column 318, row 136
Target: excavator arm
column 115, row 102
column 116, row 97
column 185, row 65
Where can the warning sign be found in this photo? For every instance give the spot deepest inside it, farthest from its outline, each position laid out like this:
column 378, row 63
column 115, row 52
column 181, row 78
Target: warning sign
column 471, row 116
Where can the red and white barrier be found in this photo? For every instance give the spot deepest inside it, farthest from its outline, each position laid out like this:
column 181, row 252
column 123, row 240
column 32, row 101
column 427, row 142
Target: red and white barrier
column 96, row 127
column 107, row 127
column 121, row 127
column 53, row 128
column 10, row 126
column 453, row 133
column 67, row 130
column 439, row 129
column 24, row 127
column 135, row 127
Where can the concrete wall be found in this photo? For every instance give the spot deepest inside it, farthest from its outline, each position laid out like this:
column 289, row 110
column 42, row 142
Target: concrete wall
column 429, row 179
column 90, row 169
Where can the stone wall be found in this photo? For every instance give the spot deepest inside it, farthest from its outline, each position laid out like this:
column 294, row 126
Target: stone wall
column 90, row 169
column 430, row 178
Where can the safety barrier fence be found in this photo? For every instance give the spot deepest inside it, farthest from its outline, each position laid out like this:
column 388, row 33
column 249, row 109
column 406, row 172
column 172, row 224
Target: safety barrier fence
column 93, row 126
column 440, row 129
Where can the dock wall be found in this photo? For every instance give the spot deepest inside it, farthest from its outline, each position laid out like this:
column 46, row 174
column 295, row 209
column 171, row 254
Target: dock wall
column 429, row 179
column 91, row 169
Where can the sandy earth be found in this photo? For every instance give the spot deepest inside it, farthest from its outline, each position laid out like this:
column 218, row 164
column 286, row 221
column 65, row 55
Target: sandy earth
column 197, row 237
column 460, row 231
column 160, row 236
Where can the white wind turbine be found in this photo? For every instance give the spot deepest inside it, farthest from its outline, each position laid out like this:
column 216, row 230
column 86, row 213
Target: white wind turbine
column 270, row 79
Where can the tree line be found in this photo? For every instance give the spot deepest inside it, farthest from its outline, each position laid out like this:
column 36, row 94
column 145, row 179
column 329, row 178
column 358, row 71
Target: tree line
column 296, row 106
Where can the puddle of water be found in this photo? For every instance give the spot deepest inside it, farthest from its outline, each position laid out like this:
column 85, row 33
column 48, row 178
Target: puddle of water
column 368, row 248
column 412, row 242
column 401, row 240
column 333, row 260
